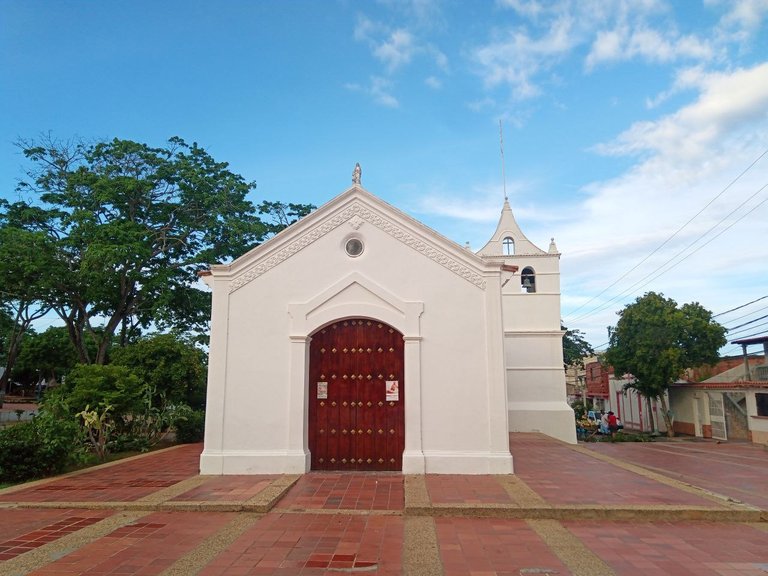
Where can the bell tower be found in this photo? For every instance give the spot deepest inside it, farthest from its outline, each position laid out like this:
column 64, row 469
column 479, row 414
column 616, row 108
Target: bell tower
column 533, row 351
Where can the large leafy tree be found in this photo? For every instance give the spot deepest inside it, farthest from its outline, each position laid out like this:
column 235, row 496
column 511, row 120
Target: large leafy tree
column 173, row 368
column 24, row 292
column 655, row 340
column 575, row 348
column 48, row 354
column 132, row 225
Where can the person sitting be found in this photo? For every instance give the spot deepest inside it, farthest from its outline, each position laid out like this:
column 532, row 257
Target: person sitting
column 613, row 423
column 603, row 423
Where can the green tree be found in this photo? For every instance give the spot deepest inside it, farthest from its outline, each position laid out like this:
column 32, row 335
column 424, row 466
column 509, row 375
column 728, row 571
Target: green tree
column 95, row 386
column 24, row 259
column 280, row 215
column 174, row 368
column 575, row 348
column 51, row 352
column 655, row 340
column 132, row 226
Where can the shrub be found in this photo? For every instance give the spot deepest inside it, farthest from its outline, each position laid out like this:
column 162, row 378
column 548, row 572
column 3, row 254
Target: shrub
column 43, row 447
column 110, row 385
column 190, row 427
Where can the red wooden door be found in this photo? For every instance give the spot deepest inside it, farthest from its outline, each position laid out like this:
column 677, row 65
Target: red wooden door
column 356, row 396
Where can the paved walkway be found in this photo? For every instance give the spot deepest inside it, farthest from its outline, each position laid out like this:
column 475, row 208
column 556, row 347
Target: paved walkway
column 680, row 508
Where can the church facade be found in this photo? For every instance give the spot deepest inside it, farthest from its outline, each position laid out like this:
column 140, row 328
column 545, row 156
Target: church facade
column 360, row 339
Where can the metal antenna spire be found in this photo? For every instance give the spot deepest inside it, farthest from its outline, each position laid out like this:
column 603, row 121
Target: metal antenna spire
column 503, row 173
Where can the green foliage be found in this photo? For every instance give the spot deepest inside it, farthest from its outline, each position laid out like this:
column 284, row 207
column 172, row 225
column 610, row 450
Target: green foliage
column 40, row 448
column 580, row 409
column 280, row 215
column 98, row 426
column 190, row 426
column 575, row 348
column 655, row 341
column 51, row 352
column 110, row 385
column 173, row 367
column 131, row 226
column 24, row 257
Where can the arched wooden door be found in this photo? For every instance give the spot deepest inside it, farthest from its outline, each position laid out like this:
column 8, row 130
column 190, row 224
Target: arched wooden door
column 356, row 396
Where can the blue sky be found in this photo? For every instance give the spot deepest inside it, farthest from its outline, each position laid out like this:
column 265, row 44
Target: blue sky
column 622, row 119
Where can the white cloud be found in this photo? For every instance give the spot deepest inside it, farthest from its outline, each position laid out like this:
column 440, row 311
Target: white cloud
column 397, row 50
column 433, row 82
column 745, row 16
column 689, row 158
column 726, row 103
column 378, row 88
column 646, row 44
column 523, row 54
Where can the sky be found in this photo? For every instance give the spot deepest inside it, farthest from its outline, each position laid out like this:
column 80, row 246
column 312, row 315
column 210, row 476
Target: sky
column 635, row 132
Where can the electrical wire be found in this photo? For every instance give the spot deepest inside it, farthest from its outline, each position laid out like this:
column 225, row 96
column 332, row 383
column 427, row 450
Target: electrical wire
column 747, row 323
column 707, row 205
column 670, row 263
column 740, row 307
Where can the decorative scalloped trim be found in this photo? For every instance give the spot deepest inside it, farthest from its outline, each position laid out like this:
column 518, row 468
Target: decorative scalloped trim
column 357, row 210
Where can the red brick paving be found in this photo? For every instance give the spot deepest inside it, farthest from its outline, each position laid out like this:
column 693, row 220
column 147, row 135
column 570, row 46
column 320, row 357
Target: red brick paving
column 44, row 534
column 584, row 480
column 346, row 491
column 475, row 546
column 454, row 489
column 314, row 544
column 684, row 549
column 16, row 522
column 148, row 546
column 227, row 488
column 706, row 464
column 301, row 542
column 125, row 482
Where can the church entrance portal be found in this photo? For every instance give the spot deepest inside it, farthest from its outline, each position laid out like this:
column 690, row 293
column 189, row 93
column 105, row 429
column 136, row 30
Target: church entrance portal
column 356, row 396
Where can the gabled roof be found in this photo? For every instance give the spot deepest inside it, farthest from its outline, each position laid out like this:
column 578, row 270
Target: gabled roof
column 508, row 227
column 355, row 206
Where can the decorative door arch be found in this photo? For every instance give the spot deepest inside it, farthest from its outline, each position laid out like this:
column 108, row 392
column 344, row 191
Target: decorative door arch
column 356, row 396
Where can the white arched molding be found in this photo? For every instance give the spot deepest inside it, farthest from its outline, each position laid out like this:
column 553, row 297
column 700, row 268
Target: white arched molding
column 355, row 296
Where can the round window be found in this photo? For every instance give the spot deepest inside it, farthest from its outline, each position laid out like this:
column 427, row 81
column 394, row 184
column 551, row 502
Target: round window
column 354, row 247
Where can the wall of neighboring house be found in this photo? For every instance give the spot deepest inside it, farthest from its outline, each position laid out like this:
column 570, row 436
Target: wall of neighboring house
column 632, row 408
column 596, row 381
column 690, row 403
column 758, row 423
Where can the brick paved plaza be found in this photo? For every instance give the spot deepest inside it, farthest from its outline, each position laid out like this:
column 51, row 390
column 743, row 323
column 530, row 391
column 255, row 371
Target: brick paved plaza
column 681, row 508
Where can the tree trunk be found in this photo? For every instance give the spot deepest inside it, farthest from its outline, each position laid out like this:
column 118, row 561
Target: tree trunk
column 14, row 347
column 75, row 331
column 651, row 419
column 667, row 419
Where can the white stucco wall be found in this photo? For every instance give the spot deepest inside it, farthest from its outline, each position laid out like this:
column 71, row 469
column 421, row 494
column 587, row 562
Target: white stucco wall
column 444, row 300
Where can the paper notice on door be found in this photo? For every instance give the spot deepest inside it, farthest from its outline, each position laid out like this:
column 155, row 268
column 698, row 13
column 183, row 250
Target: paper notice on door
column 393, row 391
column 322, row 390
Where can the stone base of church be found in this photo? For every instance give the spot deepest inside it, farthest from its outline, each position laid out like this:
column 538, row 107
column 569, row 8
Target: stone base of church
column 274, row 462
column 554, row 419
column 450, row 462
column 254, row 462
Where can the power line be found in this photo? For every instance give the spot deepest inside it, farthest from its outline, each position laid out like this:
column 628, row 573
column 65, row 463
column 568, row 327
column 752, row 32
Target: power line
column 748, row 323
column 762, row 333
column 707, row 205
column 745, row 315
column 740, row 307
column 666, row 267
column 732, row 334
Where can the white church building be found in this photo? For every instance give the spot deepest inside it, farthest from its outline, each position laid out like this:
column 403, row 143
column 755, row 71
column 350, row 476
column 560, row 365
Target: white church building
column 360, row 339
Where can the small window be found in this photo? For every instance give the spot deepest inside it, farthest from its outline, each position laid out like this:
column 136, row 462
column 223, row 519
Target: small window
column 762, row 403
column 354, row 247
column 528, row 280
column 508, row 246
